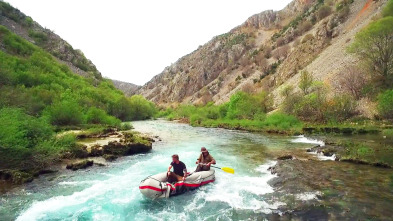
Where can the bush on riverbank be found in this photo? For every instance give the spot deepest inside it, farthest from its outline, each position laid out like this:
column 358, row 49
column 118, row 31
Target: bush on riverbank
column 27, row 142
column 243, row 111
column 385, row 104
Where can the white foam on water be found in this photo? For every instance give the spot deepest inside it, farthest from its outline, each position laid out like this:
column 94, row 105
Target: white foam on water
column 303, row 139
column 322, row 157
column 39, row 209
column 242, row 192
column 76, row 183
column 97, row 190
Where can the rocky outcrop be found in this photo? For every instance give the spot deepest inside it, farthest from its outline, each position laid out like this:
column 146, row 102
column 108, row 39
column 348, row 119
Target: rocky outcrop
column 285, row 157
column 224, row 65
column 80, row 165
column 127, row 144
column 16, row 176
column 128, row 89
column 125, row 148
column 266, row 53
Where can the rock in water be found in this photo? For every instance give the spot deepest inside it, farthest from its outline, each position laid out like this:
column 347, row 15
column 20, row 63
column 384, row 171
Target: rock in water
column 80, row 165
column 285, row 157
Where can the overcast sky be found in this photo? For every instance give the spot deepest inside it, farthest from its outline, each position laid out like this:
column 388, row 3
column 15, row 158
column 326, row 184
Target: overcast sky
column 132, row 40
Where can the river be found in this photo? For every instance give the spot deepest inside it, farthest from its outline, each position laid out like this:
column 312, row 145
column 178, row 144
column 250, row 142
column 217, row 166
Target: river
column 111, row 192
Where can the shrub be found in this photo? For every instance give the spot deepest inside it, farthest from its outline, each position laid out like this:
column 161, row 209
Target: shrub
column 305, row 26
column 340, row 108
column 28, row 21
column 307, row 38
column 245, row 106
column 14, row 44
column 19, row 130
column 39, row 37
column 141, row 108
column 98, row 116
column 280, row 41
column 343, row 13
column 309, row 107
column 282, row 121
column 306, row 81
column 281, row 52
column 388, row 10
column 385, row 104
column 126, row 126
column 377, row 59
column 353, row 81
column 121, row 108
column 323, row 12
column 65, row 112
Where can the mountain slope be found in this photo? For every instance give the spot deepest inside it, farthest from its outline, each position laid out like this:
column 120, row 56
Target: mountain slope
column 128, row 89
column 265, row 52
column 25, row 27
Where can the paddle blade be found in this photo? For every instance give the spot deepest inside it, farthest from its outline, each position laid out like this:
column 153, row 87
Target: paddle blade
column 228, row 170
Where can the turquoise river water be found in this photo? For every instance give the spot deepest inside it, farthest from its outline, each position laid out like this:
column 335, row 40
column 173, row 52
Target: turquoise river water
column 111, row 192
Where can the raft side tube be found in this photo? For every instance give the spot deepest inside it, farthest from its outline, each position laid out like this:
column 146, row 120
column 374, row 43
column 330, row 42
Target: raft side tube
column 156, row 186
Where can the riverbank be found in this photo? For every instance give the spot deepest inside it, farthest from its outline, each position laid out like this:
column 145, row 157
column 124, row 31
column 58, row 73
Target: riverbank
column 378, row 153
column 89, row 147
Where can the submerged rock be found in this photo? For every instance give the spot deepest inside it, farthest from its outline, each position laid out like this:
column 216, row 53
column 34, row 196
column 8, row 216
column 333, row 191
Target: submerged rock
column 125, row 149
column 80, row 165
column 110, row 157
column 285, row 157
column 16, row 176
column 96, row 150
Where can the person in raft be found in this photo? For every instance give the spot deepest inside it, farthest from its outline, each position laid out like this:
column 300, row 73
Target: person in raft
column 204, row 161
column 179, row 170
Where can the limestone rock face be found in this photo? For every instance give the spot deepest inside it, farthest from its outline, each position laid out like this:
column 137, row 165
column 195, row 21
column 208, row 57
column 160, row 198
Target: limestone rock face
column 209, row 72
column 128, row 89
column 265, row 19
column 265, row 53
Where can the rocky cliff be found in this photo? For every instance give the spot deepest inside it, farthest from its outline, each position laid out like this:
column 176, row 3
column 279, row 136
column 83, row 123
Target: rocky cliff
column 267, row 52
column 128, row 89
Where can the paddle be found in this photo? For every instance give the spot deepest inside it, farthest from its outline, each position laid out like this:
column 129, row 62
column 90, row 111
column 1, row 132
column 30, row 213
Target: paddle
column 225, row 169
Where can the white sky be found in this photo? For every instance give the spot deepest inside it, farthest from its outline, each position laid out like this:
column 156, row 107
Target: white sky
column 132, row 40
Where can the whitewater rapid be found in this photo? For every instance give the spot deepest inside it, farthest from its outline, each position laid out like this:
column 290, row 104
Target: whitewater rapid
column 112, row 193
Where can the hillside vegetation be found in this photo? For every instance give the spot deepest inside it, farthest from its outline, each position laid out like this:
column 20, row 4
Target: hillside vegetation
column 25, row 27
column 310, row 100
column 40, row 96
column 306, row 58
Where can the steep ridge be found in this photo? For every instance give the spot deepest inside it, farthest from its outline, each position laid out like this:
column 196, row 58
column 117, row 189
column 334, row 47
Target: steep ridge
column 267, row 51
column 128, row 89
column 25, row 27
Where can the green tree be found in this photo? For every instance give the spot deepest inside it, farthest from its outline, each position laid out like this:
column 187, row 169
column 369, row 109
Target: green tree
column 306, row 82
column 66, row 111
column 141, row 109
column 374, row 45
column 19, row 130
column 245, row 106
column 98, row 116
column 385, row 104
